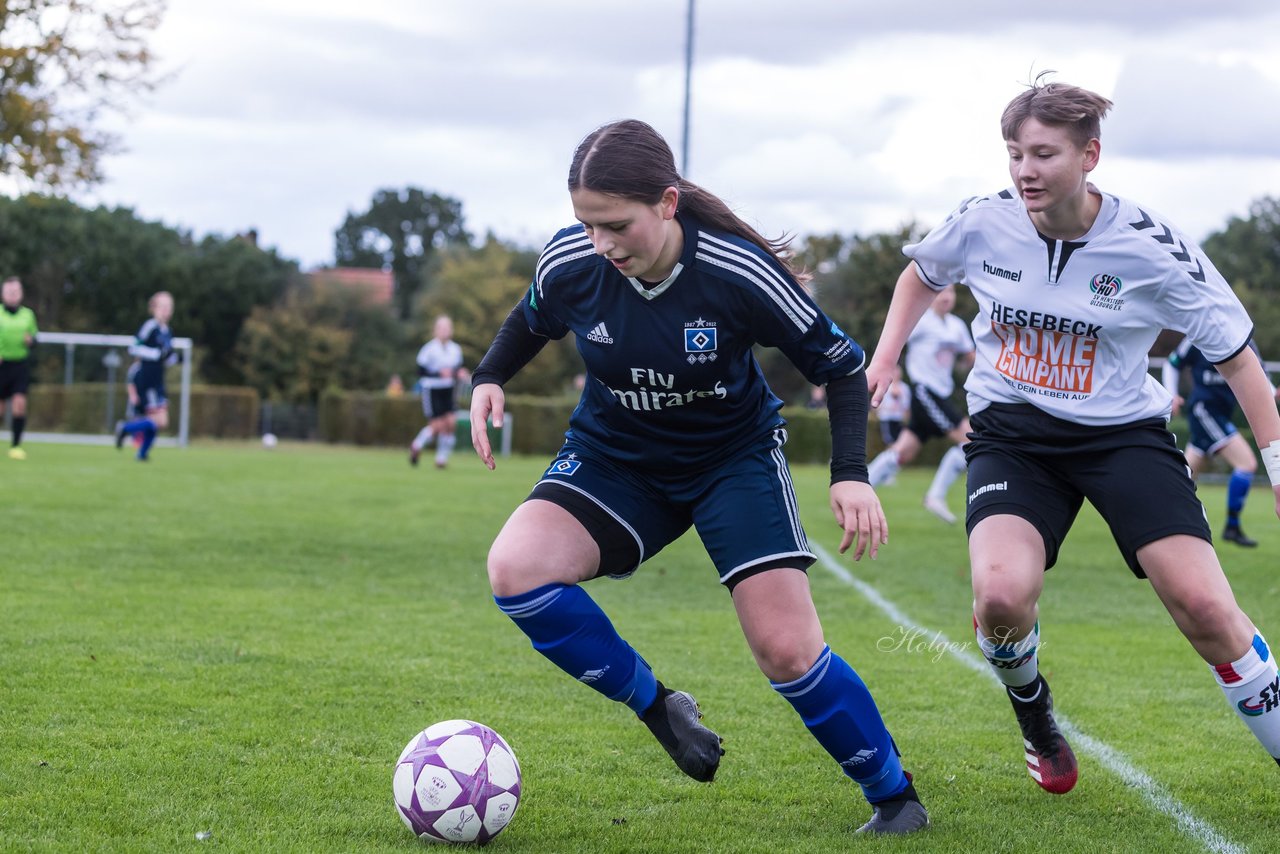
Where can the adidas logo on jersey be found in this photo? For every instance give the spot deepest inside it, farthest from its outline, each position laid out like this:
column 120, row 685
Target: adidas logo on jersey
column 600, row 335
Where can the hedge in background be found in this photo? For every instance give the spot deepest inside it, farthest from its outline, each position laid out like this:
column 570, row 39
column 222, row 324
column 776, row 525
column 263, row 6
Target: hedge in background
column 540, row 423
column 229, row 412
column 374, row 418
column 367, row 418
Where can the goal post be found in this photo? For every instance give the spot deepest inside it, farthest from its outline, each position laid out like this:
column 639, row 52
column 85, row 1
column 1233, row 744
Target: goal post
column 99, row 356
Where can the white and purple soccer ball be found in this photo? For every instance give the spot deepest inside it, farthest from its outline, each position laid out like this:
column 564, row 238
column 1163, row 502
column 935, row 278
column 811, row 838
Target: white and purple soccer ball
column 457, row 781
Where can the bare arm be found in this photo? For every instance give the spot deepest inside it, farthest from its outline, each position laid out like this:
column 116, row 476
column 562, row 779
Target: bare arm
column 911, row 299
column 1170, row 376
column 1253, row 390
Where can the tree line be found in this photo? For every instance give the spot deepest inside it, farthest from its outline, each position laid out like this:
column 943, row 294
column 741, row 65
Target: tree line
column 257, row 320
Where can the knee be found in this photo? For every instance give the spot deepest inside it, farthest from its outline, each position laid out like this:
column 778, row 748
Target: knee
column 1202, row 615
column 507, row 571
column 786, row 659
column 1002, row 605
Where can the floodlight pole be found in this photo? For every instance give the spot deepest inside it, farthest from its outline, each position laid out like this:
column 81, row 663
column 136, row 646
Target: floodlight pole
column 688, row 86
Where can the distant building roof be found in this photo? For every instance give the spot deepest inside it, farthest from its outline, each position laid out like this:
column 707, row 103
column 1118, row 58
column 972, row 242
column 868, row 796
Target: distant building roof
column 377, row 286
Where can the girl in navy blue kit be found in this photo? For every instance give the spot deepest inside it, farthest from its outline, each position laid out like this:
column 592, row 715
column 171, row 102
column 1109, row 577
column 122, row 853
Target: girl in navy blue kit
column 666, row 291
column 153, row 350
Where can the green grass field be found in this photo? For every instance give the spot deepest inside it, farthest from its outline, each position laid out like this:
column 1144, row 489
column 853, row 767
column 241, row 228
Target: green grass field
column 240, row 642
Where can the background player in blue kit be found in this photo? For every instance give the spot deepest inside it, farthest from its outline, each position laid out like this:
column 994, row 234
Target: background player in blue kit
column 666, row 291
column 1073, row 285
column 153, row 350
column 1210, row 409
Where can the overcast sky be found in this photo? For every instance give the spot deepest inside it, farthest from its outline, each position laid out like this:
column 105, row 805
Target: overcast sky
column 808, row 116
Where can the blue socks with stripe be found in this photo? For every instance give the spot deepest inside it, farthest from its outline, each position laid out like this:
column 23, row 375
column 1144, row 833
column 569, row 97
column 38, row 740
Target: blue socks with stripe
column 148, row 437
column 1237, row 490
column 569, row 629
column 147, row 428
column 838, row 709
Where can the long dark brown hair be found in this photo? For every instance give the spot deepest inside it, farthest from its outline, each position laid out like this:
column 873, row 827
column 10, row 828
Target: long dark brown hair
column 631, row 160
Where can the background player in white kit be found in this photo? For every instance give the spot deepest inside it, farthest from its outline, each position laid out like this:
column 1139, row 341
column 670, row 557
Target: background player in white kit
column 1073, row 285
column 937, row 343
column 894, row 410
column 439, row 369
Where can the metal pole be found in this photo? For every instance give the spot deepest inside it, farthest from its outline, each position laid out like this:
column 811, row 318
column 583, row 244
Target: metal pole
column 688, row 86
column 184, row 418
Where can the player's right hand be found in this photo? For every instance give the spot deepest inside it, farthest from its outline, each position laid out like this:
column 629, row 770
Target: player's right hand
column 879, row 378
column 486, row 399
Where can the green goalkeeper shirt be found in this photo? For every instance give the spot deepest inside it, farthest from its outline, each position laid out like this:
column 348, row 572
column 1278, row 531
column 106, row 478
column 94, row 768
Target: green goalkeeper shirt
column 15, row 326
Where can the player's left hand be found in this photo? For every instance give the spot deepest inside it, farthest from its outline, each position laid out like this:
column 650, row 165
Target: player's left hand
column 857, row 510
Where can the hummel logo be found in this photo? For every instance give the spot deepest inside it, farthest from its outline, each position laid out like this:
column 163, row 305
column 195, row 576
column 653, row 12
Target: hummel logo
column 600, row 335
column 1011, row 275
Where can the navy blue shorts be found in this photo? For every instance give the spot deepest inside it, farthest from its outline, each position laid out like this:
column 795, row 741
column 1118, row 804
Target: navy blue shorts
column 150, row 397
column 1211, row 427
column 744, row 510
column 1024, row 462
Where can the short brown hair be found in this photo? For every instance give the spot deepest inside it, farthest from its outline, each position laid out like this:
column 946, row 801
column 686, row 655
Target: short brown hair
column 1057, row 104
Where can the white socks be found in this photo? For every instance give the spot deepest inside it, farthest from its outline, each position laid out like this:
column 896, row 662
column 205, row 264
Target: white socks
column 420, row 441
column 1253, row 690
column 950, row 467
column 444, row 445
column 1015, row 662
column 883, row 467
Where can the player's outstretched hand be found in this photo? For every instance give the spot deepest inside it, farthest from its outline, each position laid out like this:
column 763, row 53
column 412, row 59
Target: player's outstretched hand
column 487, row 400
column 879, row 378
column 857, row 510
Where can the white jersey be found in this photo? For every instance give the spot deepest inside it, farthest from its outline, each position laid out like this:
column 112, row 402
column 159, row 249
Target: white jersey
column 932, row 348
column 434, row 358
column 1067, row 325
column 896, row 404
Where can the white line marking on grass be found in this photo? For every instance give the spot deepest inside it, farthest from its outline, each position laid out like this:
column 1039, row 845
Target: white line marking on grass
column 1112, row 759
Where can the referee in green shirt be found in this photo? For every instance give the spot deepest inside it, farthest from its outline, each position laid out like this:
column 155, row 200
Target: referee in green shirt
column 17, row 337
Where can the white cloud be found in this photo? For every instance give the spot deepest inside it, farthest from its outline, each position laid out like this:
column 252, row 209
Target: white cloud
column 808, row 116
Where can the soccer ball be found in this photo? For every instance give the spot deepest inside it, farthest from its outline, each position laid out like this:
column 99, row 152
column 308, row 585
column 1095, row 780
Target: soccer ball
column 457, row 781
column 269, row 440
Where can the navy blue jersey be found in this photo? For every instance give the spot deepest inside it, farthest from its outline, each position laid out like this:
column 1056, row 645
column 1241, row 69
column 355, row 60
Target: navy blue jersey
column 671, row 379
column 152, row 348
column 1207, row 385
